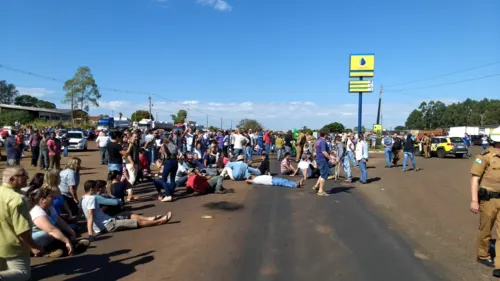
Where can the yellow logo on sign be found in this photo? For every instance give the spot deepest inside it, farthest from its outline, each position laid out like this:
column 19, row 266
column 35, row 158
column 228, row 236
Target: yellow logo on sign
column 362, row 65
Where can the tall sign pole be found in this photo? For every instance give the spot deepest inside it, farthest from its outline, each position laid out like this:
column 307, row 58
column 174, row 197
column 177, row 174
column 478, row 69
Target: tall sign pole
column 361, row 66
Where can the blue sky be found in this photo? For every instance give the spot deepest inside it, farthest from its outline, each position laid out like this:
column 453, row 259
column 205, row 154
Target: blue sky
column 283, row 62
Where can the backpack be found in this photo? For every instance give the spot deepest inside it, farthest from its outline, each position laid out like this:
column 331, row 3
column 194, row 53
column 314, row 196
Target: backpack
column 397, row 144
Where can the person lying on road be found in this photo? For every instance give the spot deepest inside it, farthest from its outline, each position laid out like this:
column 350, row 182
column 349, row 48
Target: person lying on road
column 274, row 181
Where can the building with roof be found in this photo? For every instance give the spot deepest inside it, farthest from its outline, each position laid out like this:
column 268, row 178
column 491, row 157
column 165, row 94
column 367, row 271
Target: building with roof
column 44, row 113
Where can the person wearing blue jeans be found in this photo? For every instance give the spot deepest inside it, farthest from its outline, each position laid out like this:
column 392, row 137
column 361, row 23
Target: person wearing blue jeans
column 169, row 170
column 267, row 147
column 347, row 169
column 248, row 153
column 362, row 157
column 274, row 181
column 412, row 159
column 408, row 146
column 387, row 141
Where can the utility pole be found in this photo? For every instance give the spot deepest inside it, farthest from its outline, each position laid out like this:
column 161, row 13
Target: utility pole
column 112, row 113
column 156, row 115
column 221, row 124
column 150, row 115
column 207, row 122
column 379, row 104
column 231, row 125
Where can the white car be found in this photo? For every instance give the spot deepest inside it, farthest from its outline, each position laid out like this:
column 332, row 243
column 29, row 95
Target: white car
column 77, row 140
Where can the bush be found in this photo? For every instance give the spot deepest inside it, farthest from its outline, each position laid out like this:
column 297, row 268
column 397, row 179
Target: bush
column 9, row 117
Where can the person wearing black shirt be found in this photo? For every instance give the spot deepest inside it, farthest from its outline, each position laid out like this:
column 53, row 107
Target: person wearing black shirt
column 115, row 152
column 408, row 147
column 264, row 165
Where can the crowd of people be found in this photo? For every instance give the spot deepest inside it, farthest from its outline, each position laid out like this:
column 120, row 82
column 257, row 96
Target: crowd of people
column 46, row 214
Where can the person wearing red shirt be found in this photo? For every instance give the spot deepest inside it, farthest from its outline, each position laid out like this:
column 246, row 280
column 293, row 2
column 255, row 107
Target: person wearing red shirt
column 267, row 142
column 54, row 146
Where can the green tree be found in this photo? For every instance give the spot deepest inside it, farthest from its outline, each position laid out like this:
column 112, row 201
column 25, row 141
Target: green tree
column 8, row 117
column 415, row 120
column 306, row 130
column 435, row 114
column 8, row 92
column 246, row 124
column 139, row 115
column 25, row 100
column 334, row 127
column 347, row 131
column 213, row 128
column 399, row 128
column 82, row 90
column 180, row 117
column 45, row 104
column 355, row 129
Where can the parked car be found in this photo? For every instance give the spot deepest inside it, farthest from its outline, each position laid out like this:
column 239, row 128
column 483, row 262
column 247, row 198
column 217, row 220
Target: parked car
column 478, row 140
column 77, row 140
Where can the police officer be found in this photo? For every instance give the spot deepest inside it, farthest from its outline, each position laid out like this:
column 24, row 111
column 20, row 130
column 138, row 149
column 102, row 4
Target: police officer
column 426, row 143
column 485, row 191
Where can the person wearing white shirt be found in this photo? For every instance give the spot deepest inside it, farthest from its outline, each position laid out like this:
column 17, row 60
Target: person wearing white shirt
column 239, row 142
column 304, row 167
column 189, row 140
column 362, row 157
column 351, row 146
column 102, row 141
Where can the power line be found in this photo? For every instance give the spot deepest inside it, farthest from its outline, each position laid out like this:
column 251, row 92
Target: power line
column 444, row 84
column 13, row 69
column 444, row 75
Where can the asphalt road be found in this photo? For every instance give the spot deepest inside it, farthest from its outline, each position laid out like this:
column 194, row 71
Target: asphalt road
column 258, row 233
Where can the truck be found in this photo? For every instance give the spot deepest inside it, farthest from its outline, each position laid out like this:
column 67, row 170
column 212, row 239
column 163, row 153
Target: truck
column 168, row 126
column 145, row 124
column 106, row 123
column 122, row 123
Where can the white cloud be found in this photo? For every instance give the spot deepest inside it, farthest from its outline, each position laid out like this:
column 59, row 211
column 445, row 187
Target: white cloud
column 220, row 5
column 113, row 105
column 273, row 115
column 190, row 102
column 35, row 92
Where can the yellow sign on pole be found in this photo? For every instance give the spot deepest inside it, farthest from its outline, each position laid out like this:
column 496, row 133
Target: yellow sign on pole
column 362, row 86
column 377, row 128
column 362, row 65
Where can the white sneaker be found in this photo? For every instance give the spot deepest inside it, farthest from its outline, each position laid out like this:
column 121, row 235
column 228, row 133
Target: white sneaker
column 167, row 199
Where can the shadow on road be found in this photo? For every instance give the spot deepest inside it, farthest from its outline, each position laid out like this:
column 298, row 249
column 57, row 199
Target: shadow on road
column 375, row 179
column 143, row 207
column 224, row 206
column 346, row 189
column 92, row 267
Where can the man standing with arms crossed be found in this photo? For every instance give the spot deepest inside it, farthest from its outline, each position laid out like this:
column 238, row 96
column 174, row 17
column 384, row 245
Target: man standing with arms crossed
column 322, row 158
column 485, row 192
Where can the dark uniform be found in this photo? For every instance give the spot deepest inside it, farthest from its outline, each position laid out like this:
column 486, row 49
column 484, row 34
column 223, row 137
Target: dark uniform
column 487, row 167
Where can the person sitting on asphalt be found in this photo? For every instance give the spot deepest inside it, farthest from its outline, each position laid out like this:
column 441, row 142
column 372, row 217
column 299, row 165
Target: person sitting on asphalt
column 264, row 165
column 286, row 165
column 182, row 174
column 200, row 183
column 237, row 170
column 50, row 231
column 274, row 181
column 98, row 222
column 304, row 167
column 69, row 180
column 109, row 203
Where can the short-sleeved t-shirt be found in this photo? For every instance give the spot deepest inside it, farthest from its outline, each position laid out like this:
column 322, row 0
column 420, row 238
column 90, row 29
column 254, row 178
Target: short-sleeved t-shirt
column 486, row 166
column 197, row 183
column 14, row 220
column 89, row 202
column 181, row 171
column 68, row 178
column 284, row 163
column 320, row 148
column 37, row 212
column 264, row 180
column 305, row 165
column 114, row 155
